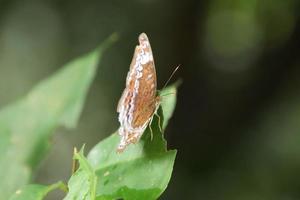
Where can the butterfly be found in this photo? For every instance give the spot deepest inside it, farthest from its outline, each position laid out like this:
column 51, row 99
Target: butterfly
column 139, row 101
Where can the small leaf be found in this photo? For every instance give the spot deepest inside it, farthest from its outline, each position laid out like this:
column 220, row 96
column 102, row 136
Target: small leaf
column 26, row 125
column 36, row 192
column 82, row 184
column 168, row 101
column 142, row 171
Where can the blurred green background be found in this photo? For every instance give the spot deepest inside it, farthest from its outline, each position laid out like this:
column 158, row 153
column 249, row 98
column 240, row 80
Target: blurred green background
column 237, row 121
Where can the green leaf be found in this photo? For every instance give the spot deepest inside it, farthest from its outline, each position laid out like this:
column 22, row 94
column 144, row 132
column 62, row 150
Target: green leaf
column 26, row 125
column 36, row 192
column 168, row 102
column 142, row 171
column 82, row 184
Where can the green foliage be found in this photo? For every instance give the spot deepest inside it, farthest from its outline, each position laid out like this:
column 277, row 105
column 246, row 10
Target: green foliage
column 36, row 192
column 142, row 171
column 26, row 125
column 168, row 102
column 83, row 182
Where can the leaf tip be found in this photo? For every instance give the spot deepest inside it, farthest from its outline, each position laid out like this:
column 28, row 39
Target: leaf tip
column 109, row 41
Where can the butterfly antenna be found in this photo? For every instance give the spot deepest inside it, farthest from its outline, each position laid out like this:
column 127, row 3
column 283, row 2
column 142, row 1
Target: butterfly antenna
column 171, row 76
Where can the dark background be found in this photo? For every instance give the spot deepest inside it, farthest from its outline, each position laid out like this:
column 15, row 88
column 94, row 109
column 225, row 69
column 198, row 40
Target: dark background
column 237, row 122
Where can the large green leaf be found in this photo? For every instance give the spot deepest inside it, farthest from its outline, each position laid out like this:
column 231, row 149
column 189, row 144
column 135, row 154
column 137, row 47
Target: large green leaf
column 36, row 192
column 26, row 125
column 142, row 171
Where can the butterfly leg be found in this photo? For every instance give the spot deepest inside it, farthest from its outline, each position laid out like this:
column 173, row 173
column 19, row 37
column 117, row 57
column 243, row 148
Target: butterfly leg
column 151, row 132
column 159, row 122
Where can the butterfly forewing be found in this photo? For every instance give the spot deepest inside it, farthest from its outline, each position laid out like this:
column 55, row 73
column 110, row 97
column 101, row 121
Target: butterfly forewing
column 138, row 101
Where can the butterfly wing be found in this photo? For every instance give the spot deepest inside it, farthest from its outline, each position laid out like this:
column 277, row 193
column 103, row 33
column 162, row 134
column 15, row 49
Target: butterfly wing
column 138, row 101
column 130, row 81
column 145, row 102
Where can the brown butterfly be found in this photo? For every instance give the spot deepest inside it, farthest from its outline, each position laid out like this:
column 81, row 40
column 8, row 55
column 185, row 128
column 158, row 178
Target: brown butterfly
column 139, row 101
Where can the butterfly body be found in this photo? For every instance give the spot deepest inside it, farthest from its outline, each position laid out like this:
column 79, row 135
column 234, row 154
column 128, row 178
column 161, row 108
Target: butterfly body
column 139, row 101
